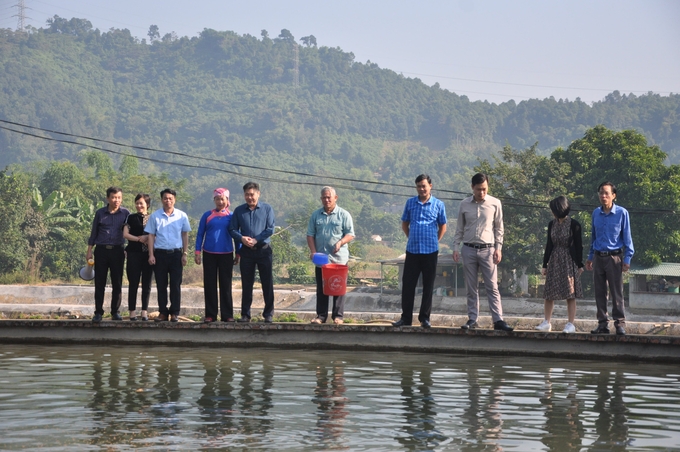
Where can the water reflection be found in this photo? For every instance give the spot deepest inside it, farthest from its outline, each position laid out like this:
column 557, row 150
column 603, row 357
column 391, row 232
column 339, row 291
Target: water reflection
column 330, row 400
column 188, row 399
column 611, row 424
column 563, row 428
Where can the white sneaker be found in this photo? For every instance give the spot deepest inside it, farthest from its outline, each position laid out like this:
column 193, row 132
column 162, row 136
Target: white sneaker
column 569, row 328
column 544, row 326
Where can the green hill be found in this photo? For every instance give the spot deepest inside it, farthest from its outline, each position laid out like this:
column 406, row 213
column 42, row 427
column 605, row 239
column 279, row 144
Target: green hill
column 230, row 97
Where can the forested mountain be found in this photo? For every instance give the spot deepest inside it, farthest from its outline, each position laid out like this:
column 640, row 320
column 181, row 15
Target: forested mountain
column 240, row 98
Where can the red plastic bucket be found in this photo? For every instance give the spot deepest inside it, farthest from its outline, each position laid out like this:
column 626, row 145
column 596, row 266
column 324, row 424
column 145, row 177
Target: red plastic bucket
column 334, row 278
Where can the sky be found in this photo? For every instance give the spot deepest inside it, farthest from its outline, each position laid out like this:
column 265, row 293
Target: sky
column 489, row 50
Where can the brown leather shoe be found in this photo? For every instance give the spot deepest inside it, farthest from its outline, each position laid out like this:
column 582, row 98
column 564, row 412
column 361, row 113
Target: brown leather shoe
column 161, row 318
column 173, row 318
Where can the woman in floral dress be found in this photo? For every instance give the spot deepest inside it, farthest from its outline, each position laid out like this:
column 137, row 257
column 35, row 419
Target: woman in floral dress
column 562, row 264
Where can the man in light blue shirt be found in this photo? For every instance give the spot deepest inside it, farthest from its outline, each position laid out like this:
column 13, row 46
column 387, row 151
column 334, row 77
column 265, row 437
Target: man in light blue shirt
column 424, row 223
column 611, row 250
column 329, row 231
column 168, row 230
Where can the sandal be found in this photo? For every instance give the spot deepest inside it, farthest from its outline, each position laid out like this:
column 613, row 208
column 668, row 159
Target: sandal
column 317, row 321
column 338, row 321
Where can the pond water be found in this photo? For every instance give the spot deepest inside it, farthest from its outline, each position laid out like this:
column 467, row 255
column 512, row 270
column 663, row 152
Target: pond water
column 69, row 398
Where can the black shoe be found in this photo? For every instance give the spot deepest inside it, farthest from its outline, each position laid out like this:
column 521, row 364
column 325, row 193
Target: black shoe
column 267, row 320
column 97, row 318
column 620, row 331
column 116, row 316
column 425, row 324
column 470, row 325
column 501, row 325
column 400, row 322
column 133, row 319
column 244, row 320
column 601, row 329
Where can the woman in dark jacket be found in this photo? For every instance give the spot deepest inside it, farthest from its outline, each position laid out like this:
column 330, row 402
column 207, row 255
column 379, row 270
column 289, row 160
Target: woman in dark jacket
column 138, row 256
column 562, row 263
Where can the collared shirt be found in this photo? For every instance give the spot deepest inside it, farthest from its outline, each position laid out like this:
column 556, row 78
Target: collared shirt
column 424, row 219
column 213, row 233
column 257, row 223
column 167, row 229
column 107, row 227
column 611, row 232
column 328, row 229
column 479, row 222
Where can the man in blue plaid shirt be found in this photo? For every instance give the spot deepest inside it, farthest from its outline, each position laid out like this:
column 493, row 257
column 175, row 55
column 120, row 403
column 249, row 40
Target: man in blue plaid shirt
column 424, row 223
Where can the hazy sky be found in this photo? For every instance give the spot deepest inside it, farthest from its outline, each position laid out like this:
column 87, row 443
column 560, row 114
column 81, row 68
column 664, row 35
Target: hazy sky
column 493, row 50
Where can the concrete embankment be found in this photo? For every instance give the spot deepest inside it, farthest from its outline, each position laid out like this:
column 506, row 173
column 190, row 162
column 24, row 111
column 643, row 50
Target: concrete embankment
column 651, row 336
column 345, row 337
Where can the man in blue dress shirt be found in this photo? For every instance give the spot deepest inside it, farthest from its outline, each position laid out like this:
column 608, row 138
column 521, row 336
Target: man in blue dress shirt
column 611, row 249
column 252, row 224
column 168, row 230
column 424, row 223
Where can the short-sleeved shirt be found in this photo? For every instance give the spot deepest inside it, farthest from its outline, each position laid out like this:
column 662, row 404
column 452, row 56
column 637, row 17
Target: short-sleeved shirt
column 424, row 219
column 328, row 229
column 167, row 229
column 107, row 227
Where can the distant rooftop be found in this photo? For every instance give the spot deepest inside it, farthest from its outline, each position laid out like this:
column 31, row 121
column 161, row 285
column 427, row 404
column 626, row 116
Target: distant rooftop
column 663, row 269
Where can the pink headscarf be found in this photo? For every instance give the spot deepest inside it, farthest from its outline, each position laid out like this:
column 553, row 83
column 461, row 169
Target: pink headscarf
column 222, row 192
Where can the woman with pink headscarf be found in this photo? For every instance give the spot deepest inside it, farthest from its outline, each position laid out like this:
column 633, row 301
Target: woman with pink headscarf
column 217, row 247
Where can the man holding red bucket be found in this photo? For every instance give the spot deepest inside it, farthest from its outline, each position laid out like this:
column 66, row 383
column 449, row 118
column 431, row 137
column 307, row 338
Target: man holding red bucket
column 329, row 231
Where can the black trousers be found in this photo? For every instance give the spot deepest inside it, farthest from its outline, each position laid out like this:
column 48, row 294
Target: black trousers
column 138, row 268
column 322, row 301
column 218, row 267
column 414, row 265
column 262, row 260
column 105, row 261
column 168, row 268
column 608, row 271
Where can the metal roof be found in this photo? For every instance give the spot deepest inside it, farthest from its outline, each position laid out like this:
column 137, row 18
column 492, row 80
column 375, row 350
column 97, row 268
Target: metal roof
column 663, row 269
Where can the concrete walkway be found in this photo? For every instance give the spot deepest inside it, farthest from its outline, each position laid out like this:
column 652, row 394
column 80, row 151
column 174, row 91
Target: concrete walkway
column 345, row 337
column 362, row 305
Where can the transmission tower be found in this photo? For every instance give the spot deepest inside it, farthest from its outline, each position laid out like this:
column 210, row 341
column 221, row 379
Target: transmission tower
column 20, row 15
column 296, row 70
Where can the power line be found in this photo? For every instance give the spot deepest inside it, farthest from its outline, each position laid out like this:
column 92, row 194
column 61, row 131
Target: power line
column 509, row 201
column 531, row 85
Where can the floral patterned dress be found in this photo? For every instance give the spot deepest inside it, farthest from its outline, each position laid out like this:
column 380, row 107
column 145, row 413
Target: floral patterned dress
column 562, row 280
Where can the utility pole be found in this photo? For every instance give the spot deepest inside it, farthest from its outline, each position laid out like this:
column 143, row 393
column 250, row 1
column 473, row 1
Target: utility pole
column 296, row 70
column 21, row 15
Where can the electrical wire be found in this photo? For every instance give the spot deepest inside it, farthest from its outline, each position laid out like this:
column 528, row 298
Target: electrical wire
column 510, row 201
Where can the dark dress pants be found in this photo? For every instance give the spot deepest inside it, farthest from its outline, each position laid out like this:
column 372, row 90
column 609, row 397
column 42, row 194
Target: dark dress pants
column 218, row 267
column 107, row 260
column 323, row 299
column 168, row 265
column 138, row 268
column 262, row 260
column 608, row 271
column 414, row 265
